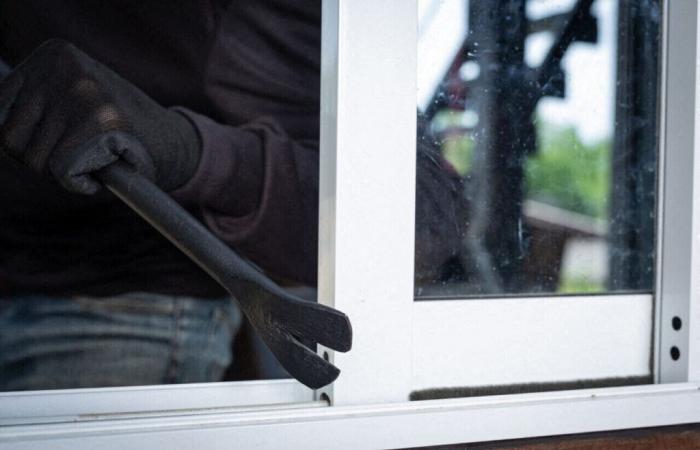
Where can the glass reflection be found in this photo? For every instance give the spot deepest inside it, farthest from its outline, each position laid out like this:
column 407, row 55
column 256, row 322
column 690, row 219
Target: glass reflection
column 537, row 146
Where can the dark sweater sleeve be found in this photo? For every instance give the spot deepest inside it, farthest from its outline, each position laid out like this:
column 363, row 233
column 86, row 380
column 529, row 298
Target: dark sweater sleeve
column 257, row 190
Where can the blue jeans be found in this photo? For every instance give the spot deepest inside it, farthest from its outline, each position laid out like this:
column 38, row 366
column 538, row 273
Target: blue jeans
column 132, row 339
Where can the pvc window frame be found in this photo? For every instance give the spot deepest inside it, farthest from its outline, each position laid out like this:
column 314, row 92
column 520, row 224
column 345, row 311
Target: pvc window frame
column 368, row 196
column 366, row 270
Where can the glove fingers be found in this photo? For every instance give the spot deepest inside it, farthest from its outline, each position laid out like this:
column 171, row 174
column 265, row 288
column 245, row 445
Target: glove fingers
column 134, row 153
column 64, row 114
column 73, row 165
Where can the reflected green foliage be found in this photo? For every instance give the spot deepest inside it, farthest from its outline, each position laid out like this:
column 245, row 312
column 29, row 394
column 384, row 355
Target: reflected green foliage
column 458, row 152
column 579, row 285
column 564, row 172
column 569, row 174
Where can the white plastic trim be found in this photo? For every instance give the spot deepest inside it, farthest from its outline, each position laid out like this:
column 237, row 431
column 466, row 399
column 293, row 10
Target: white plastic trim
column 694, row 295
column 71, row 404
column 678, row 261
column 395, row 425
column 367, row 186
column 530, row 340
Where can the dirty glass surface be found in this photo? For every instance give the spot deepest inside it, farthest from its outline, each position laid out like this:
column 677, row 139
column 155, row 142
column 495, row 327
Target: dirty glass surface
column 537, row 146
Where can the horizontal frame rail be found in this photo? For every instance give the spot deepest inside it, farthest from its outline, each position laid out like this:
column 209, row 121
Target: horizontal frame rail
column 408, row 424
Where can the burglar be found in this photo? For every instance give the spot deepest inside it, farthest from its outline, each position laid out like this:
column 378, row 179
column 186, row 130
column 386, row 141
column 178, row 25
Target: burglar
column 218, row 103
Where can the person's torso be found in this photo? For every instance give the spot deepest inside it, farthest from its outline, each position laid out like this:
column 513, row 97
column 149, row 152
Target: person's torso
column 232, row 61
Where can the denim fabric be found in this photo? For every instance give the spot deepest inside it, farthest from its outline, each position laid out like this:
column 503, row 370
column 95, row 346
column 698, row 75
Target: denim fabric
column 134, row 339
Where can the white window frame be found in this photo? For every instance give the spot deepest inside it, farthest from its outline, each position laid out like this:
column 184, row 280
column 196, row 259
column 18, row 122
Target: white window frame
column 68, row 405
column 369, row 185
column 366, row 270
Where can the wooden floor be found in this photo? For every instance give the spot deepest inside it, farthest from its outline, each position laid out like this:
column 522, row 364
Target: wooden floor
column 684, row 437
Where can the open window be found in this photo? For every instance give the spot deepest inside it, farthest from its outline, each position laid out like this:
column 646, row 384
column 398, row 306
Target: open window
column 92, row 295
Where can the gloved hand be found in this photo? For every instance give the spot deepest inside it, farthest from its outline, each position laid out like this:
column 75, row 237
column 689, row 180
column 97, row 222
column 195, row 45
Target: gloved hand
column 65, row 115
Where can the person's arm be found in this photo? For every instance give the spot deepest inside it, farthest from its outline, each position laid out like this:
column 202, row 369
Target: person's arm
column 65, row 115
column 257, row 190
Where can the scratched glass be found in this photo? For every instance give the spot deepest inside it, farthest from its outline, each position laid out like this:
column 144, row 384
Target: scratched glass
column 537, row 147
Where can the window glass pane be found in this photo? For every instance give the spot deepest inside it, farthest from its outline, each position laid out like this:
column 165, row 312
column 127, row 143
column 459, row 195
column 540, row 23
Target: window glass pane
column 537, row 146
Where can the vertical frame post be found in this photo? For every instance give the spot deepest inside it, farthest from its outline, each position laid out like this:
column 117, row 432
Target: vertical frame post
column 367, row 186
column 694, row 298
column 677, row 315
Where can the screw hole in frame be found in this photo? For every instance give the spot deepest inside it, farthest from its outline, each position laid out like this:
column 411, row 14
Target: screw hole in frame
column 676, row 323
column 675, row 353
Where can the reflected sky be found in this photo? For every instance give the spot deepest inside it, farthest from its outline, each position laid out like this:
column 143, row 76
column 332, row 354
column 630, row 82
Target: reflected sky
column 590, row 68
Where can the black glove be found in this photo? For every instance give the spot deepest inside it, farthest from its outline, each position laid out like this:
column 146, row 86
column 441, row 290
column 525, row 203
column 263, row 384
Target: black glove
column 66, row 115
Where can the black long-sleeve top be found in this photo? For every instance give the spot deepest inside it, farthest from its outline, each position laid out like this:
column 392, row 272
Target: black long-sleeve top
column 247, row 75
